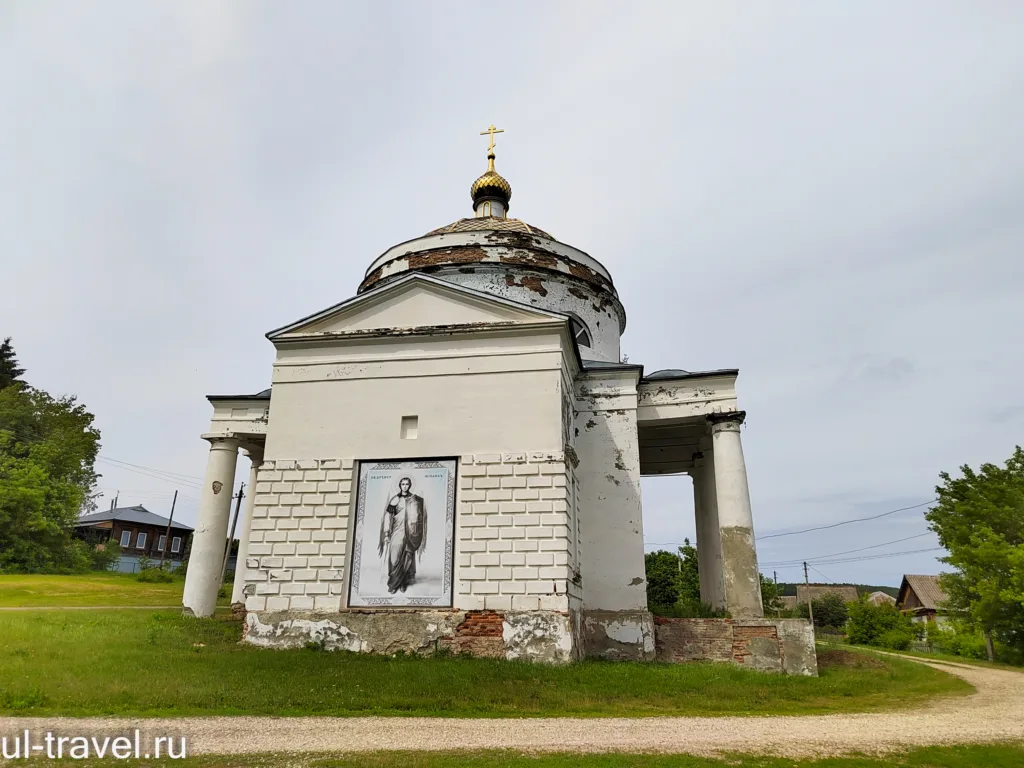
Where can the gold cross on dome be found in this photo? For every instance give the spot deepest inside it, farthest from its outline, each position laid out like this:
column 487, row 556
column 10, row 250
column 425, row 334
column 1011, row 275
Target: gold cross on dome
column 491, row 130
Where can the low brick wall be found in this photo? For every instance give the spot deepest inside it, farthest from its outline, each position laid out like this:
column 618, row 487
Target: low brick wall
column 771, row 645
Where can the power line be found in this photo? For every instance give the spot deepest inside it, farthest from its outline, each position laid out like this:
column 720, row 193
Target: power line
column 820, row 573
column 150, row 469
column 849, row 551
column 172, row 480
column 846, row 522
column 879, row 557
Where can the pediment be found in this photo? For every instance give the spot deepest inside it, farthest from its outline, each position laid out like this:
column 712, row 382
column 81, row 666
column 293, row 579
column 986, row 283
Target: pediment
column 414, row 302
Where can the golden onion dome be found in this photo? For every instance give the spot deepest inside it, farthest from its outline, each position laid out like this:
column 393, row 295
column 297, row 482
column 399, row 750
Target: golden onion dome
column 491, row 185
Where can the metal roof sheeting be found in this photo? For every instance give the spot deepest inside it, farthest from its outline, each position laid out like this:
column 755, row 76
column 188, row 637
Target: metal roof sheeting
column 138, row 514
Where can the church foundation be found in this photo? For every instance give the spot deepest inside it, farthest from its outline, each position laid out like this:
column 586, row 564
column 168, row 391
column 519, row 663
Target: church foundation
column 618, row 635
column 540, row 636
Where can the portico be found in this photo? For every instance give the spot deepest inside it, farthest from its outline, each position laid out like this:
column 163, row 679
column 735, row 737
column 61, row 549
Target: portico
column 239, row 424
column 689, row 423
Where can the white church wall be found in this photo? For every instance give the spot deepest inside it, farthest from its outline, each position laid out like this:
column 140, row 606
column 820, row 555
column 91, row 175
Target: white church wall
column 615, row 621
column 611, row 524
column 495, row 405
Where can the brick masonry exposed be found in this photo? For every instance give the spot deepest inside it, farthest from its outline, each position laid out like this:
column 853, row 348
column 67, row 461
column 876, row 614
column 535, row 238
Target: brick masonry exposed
column 778, row 645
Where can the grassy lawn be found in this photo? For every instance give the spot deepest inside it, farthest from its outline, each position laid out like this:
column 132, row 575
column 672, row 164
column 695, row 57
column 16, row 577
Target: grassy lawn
column 990, row 756
column 924, row 656
column 157, row 663
column 87, row 589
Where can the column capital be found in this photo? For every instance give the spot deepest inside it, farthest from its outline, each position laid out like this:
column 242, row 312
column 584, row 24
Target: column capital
column 726, row 422
column 254, row 452
column 224, row 441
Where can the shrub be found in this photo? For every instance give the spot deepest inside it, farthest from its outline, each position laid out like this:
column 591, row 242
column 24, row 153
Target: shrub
column 898, row 638
column 881, row 625
column 105, row 555
column 958, row 639
column 829, row 611
column 155, row 576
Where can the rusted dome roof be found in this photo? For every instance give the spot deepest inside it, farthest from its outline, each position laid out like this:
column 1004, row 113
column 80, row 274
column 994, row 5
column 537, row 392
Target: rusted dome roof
column 495, row 223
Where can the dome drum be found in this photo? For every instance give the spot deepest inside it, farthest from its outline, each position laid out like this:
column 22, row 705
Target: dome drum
column 494, row 250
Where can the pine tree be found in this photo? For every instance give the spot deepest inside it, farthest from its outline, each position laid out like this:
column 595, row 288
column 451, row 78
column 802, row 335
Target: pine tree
column 9, row 370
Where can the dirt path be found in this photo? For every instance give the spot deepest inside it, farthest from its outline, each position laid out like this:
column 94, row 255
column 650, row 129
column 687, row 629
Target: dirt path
column 994, row 713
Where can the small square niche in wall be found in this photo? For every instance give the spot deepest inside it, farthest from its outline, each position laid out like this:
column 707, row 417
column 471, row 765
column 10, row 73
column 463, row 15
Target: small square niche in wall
column 410, row 427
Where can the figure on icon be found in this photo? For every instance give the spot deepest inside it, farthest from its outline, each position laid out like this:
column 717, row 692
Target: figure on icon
column 403, row 536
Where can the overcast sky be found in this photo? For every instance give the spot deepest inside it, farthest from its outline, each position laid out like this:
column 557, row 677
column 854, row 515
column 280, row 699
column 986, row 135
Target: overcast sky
column 828, row 196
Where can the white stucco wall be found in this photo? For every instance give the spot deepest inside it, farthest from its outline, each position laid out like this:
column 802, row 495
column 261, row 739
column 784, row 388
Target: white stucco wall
column 493, row 400
column 471, row 394
column 611, row 523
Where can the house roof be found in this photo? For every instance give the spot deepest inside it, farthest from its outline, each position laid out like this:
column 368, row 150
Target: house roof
column 878, row 598
column 138, row 514
column 816, row 591
column 926, row 588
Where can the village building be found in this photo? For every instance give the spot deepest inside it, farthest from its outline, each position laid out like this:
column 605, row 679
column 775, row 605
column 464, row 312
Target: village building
column 140, row 534
column 922, row 598
column 881, row 598
column 452, row 458
column 805, row 593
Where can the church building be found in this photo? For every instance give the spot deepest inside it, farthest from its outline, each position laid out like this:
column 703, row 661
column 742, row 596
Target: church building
column 451, row 459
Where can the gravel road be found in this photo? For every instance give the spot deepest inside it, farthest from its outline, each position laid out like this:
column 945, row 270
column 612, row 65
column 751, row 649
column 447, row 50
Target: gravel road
column 994, row 713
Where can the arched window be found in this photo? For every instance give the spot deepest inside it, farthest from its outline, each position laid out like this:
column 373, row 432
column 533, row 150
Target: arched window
column 579, row 331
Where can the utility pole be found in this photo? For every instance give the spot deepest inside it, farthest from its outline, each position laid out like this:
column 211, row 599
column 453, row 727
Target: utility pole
column 167, row 533
column 810, row 600
column 231, row 535
column 113, row 504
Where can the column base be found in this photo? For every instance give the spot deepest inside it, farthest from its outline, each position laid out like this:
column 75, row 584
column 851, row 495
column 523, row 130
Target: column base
column 767, row 645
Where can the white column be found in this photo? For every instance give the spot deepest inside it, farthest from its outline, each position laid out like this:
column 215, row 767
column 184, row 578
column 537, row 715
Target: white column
column 712, row 537
column 703, row 549
column 207, row 557
column 237, row 596
column 735, row 521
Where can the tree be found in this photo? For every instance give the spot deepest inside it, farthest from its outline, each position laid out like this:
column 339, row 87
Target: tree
column 979, row 519
column 829, row 610
column 881, row 625
column 9, row 370
column 770, row 598
column 672, row 577
column 48, row 448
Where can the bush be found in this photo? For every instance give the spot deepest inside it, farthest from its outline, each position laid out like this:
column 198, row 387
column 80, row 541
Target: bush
column 880, row 625
column 155, row 576
column 105, row 555
column 957, row 640
column 897, row 639
column 829, row 611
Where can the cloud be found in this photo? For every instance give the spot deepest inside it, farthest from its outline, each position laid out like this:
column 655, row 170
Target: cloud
column 826, row 199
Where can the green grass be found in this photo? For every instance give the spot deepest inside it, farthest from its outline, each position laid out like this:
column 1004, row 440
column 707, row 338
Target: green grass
column 86, row 589
column 970, row 756
column 158, row 663
column 938, row 657
column 959, row 660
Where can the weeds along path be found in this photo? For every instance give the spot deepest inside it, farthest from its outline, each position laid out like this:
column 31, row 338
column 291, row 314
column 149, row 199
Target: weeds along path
column 994, row 713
